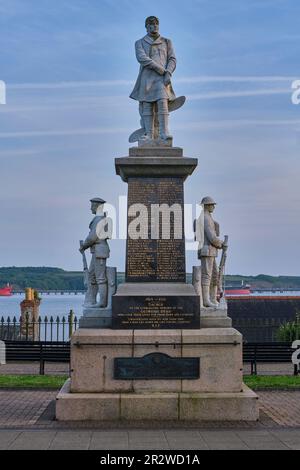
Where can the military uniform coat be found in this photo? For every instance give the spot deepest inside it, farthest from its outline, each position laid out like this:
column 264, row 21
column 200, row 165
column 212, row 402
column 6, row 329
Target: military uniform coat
column 155, row 58
column 97, row 246
column 211, row 240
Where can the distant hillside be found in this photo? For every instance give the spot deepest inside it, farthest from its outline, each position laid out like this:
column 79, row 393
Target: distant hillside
column 265, row 281
column 41, row 278
column 56, row 278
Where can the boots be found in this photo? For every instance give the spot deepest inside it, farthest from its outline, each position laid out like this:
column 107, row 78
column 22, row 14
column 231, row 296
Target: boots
column 102, row 289
column 148, row 125
column 163, row 120
column 213, row 295
column 206, row 297
column 91, row 296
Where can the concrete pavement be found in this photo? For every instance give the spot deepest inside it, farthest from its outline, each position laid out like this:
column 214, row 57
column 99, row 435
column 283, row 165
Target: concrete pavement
column 27, row 422
column 192, row 439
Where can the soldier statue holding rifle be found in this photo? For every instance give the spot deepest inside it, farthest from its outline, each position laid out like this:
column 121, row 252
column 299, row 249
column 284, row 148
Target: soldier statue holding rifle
column 96, row 276
column 207, row 233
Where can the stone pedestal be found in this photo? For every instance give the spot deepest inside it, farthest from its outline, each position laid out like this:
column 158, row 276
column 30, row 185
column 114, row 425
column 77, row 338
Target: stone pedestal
column 210, row 317
column 131, row 407
column 215, row 317
column 161, row 360
column 155, row 178
column 155, row 294
column 155, row 305
column 218, row 393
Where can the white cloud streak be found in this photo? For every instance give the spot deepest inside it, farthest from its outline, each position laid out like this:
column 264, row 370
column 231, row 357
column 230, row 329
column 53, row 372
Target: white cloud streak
column 238, row 94
column 218, row 124
column 100, row 101
column 66, row 132
column 68, row 85
column 187, row 80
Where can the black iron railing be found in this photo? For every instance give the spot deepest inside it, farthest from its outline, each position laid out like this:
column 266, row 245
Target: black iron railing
column 48, row 328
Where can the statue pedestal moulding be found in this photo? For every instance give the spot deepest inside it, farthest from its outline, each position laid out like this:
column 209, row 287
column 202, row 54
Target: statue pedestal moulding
column 155, row 347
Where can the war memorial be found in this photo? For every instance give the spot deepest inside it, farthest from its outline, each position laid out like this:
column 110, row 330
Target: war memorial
column 155, row 347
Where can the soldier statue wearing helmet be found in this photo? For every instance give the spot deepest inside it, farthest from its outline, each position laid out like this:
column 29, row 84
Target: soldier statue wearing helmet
column 100, row 231
column 207, row 233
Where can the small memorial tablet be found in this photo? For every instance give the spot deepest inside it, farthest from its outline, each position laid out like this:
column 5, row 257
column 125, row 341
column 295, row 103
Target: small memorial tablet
column 156, row 366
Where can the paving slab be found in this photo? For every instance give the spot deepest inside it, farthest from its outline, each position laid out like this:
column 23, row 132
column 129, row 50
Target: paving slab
column 23, row 407
column 144, row 439
column 109, row 440
column 71, row 440
column 149, row 446
column 203, row 439
column 223, row 439
column 289, row 437
column 7, row 437
column 261, row 440
column 196, row 444
column 282, row 406
column 33, row 440
column 185, row 440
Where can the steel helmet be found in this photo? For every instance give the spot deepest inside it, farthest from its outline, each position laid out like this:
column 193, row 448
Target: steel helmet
column 99, row 200
column 208, row 200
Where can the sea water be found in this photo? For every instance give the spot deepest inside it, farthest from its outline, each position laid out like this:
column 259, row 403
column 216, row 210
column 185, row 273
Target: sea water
column 55, row 305
column 59, row 305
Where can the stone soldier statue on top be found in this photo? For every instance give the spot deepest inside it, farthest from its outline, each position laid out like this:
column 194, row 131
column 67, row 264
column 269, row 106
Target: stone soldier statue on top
column 153, row 88
column 100, row 231
column 207, row 233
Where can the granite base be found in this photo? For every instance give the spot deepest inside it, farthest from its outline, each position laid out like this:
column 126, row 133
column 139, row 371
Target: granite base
column 194, row 407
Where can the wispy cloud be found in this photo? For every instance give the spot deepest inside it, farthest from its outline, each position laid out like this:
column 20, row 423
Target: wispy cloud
column 216, row 124
column 64, row 85
column 66, row 132
column 230, row 123
column 67, row 102
column 182, row 80
column 208, row 95
column 236, row 78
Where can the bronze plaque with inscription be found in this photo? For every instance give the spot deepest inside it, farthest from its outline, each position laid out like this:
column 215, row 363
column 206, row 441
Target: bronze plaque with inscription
column 143, row 312
column 156, row 366
column 155, row 237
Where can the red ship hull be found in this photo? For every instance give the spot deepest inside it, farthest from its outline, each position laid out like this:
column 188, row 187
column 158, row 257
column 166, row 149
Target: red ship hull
column 6, row 291
column 241, row 291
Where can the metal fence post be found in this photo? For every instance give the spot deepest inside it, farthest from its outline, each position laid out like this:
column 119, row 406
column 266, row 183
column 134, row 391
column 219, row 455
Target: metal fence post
column 71, row 322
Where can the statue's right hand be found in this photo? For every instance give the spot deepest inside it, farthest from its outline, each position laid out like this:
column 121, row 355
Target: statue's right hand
column 167, row 78
column 219, row 244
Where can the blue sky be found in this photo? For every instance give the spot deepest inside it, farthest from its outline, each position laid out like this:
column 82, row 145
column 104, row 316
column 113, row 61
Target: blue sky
column 69, row 67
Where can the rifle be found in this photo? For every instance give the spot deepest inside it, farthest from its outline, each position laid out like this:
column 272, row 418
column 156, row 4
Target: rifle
column 85, row 267
column 222, row 266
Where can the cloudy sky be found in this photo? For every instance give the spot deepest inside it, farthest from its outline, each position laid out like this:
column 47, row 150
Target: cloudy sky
column 69, row 66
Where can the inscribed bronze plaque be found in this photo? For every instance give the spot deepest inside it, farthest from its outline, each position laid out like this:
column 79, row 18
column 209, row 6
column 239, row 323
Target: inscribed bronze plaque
column 163, row 312
column 156, row 366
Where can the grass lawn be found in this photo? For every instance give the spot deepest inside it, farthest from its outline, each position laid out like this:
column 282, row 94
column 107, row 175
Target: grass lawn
column 32, row 381
column 277, row 382
column 257, row 382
